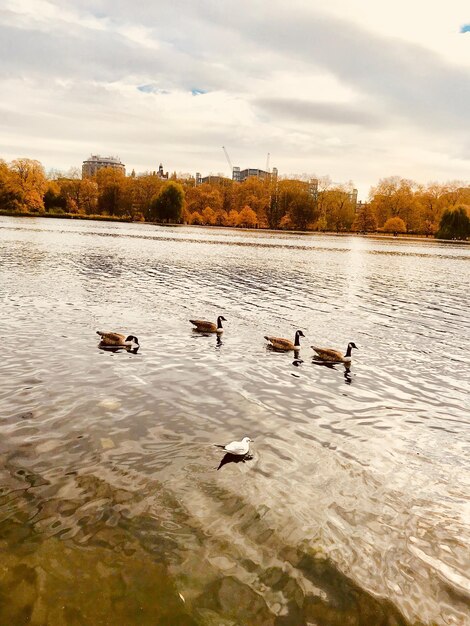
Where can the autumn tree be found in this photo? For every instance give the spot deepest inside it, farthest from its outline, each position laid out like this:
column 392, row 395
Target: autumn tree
column 455, row 192
column 232, row 218
column 254, row 193
column 70, row 192
column 203, row 196
column 113, row 192
column 339, row 208
column 302, row 210
column 53, row 198
column 168, row 205
column 455, row 224
column 297, row 203
column 394, row 225
column 208, row 216
column 143, row 190
column 322, row 197
column 365, row 220
column 10, row 196
column 88, row 196
column 196, row 218
column 430, row 203
column 394, row 197
column 220, row 217
column 247, row 218
column 28, row 181
column 274, row 211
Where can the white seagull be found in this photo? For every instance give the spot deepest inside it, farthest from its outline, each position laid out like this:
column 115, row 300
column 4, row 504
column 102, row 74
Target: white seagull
column 238, row 448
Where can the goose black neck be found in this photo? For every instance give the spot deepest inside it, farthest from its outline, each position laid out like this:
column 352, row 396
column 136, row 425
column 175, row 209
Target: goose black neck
column 219, row 322
column 348, row 351
column 297, row 340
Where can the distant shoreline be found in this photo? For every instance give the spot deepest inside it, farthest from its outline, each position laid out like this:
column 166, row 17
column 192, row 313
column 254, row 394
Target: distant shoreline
column 110, row 218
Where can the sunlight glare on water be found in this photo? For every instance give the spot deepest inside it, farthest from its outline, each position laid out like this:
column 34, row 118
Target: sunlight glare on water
column 354, row 508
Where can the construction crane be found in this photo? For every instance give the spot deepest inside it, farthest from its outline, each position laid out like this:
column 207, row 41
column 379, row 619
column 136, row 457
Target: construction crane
column 228, row 159
column 267, row 162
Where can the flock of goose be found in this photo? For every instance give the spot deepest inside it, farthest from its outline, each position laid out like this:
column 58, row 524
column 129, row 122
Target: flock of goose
column 327, row 355
column 236, row 449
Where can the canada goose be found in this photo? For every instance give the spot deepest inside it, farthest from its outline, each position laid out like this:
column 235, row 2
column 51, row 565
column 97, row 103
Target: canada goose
column 237, row 448
column 116, row 340
column 335, row 356
column 284, row 344
column 209, row 327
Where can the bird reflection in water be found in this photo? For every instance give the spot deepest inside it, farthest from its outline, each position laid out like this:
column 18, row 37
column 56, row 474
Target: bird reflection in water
column 106, row 348
column 347, row 375
column 234, row 458
column 218, row 339
column 332, row 366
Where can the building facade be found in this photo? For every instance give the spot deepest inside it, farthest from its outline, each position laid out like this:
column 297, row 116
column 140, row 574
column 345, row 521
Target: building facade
column 240, row 175
column 97, row 162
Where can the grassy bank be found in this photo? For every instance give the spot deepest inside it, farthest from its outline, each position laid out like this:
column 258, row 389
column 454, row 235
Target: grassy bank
column 67, row 216
column 113, row 218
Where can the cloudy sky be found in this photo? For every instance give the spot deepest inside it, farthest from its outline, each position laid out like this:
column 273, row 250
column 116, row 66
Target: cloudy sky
column 354, row 89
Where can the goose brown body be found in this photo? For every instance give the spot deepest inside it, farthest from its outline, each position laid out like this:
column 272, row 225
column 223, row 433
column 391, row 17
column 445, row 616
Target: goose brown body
column 328, row 354
column 115, row 341
column 111, row 339
column 334, row 356
column 209, row 327
column 279, row 343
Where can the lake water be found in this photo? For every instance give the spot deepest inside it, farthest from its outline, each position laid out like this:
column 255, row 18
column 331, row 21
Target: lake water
column 354, row 509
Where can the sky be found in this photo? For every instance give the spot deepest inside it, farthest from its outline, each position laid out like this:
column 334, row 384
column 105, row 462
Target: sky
column 351, row 89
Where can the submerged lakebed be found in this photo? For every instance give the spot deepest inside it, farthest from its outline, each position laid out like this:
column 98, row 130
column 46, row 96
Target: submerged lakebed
column 355, row 506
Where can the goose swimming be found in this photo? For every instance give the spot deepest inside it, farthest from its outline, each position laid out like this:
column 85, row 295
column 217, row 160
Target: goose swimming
column 335, row 356
column 285, row 344
column 116, row 340
column 209, row 327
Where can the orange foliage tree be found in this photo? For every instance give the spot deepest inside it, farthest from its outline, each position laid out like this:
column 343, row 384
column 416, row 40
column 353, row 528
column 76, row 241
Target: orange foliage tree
column 365, row 220
column 28, row 182
column 208, row 216
column 394, row 225
column 232, row 218
column 247, row 218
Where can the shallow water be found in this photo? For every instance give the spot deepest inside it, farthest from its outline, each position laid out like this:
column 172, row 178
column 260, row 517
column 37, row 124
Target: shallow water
column 355, row 507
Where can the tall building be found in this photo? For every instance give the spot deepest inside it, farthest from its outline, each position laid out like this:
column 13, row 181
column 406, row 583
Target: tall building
column 241, row 175
column 97, row 162
column 213, row 179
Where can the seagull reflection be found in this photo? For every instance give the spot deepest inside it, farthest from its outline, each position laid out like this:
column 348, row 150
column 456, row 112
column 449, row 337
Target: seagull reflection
column 234, row 458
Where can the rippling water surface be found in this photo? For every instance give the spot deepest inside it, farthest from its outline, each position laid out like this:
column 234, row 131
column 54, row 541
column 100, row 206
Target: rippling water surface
column 354, row 509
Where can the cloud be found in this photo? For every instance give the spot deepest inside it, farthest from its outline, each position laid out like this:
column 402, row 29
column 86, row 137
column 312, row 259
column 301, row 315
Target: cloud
column 319, row 112
column 305, row 85
column 403, row 77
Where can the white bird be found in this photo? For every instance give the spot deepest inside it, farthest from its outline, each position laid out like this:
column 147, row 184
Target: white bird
column 238, row 448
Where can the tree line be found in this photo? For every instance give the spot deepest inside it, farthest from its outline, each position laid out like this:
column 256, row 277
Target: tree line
column 395, row 205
